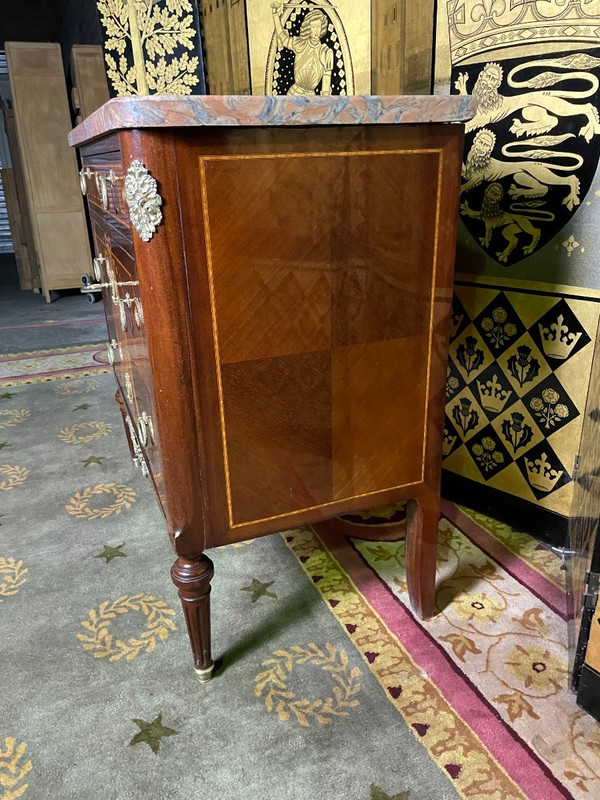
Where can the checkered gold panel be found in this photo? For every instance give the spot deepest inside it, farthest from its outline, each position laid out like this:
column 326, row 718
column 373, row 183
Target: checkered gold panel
column 518, row 375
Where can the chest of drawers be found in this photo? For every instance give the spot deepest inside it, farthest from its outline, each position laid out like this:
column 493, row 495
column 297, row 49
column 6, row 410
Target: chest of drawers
column 277, row 277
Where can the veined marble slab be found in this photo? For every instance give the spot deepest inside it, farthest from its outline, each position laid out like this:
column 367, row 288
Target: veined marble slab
column 173, row 111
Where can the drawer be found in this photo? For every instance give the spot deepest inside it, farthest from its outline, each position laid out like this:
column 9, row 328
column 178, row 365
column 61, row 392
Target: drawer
column 114, row 271
column 102, row 182
column 119, row 233
column 137, row 394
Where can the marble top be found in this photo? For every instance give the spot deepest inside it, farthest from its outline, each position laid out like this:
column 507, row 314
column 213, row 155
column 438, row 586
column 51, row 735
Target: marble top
column 173, row 111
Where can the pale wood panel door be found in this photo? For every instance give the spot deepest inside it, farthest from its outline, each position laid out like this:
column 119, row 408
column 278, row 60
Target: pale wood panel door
column 27, row 260
column 50, row 170
column 89, row 78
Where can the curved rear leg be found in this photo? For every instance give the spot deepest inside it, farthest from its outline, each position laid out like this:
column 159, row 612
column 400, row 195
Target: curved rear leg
column 422, row 520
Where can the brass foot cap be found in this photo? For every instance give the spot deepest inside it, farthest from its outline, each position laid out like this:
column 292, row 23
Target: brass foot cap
column 204, row 675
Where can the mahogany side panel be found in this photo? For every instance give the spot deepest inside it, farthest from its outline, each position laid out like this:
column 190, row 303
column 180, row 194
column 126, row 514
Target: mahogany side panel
column 278, row 420
column 287, row 241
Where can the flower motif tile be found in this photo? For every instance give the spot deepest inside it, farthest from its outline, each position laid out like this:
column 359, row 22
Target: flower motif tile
column 517, row 429
column 499, row 324
column 470, row 354
column 489, row 453
column 454, row 381
column 550, row 405
column 466, row 415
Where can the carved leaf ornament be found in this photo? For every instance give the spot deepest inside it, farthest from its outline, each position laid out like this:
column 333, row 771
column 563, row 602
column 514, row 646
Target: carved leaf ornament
column 141, row 194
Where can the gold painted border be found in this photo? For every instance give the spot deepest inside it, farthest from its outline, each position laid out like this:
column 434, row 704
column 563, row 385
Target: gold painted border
column 516, row 284
column 86, row 372
column 203, row 161
column 76, row 348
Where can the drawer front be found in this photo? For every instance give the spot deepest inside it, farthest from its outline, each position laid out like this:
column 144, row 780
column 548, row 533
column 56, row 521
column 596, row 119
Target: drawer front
column 102, row 182
column 114, row 270
column 141, row 422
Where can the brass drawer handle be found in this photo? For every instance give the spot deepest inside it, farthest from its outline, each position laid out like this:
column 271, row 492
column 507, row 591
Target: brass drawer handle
column 97, row 267
column 114, row 352
column 133, row 303
column 146, row 427
column 102, row 189
column 138, row 458
column 101, row 182
column 113, row 284
column 123, row 316
column 84, row 174
column 128, row 387
column 113, row 178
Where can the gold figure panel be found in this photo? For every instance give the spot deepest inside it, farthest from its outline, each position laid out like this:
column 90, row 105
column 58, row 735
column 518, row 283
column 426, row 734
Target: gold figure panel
column 308, row 47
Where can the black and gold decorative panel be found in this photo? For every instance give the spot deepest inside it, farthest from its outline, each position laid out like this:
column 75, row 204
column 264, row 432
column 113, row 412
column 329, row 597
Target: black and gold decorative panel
column 527, row 297
column 531, row 150
column 152, row 46
column 517, row 382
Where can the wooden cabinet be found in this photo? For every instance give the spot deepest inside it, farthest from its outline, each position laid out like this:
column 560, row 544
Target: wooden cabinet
column 277, row 277
column 39, row 96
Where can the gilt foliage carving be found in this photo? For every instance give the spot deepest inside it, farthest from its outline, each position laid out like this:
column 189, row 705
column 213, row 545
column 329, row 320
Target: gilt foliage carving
column 147, row 46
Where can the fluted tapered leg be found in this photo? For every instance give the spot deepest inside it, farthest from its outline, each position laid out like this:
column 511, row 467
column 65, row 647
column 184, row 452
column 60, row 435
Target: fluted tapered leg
column 192, row 579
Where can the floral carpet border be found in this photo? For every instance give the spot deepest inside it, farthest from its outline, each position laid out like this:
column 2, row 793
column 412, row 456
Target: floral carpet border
column 479, row 758
column 39, row 366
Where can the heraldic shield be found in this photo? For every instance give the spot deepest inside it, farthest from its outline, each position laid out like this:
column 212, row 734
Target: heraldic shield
column 532, row 148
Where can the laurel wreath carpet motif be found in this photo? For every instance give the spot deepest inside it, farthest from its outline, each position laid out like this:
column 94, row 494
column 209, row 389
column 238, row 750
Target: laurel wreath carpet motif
column 75, row 434
column 13, row 416
column 14, row 476
column 79, row 504
column 12, row 577
column 77, row 386
column 273, row 683
column 102, row 644
column 14, row 768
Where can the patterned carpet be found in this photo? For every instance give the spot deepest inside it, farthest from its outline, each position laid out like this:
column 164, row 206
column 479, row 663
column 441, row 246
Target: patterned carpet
column 328, row 687
column 38, row 366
